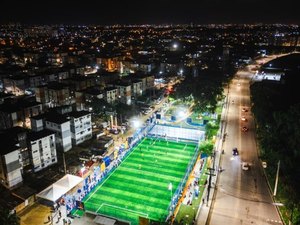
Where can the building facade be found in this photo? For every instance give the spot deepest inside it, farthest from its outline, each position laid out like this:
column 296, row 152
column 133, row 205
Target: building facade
column 10, row 167
column 61, row 126
column 81, row 126
column 43, row 149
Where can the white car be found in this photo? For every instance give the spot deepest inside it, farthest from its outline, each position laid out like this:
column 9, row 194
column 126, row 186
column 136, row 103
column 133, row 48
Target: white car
column 245, row 166
column 244, row 119
column 264, row 164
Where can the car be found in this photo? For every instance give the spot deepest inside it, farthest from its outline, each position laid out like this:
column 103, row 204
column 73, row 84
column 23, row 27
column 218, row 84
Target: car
column 235, row 151
column 264, row 164
column 245, row 129
column 114, row 131
column 244, row 110
column 244, row 119
column 245, row 166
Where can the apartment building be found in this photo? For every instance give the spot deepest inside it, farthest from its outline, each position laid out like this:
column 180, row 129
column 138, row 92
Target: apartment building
column 42, row 149
column 81, row 126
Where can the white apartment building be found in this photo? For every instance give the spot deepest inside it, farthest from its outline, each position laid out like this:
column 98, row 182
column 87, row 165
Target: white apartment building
column 81, row 126
column 42, row 149
column 111, row 94
column 61, row 126
column 124, row 93
column 10, row 166
column 137, row 87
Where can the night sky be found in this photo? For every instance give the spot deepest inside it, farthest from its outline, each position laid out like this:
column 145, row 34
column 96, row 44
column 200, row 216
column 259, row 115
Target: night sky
column 151, row 12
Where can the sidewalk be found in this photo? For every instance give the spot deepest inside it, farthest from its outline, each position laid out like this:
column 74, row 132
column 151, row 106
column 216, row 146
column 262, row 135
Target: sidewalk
column 204, row 209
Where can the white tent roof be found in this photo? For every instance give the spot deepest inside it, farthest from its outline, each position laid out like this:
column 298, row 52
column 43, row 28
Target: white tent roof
column 60, row 187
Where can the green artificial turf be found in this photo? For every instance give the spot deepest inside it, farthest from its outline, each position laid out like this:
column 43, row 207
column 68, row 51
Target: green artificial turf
column 139, row 186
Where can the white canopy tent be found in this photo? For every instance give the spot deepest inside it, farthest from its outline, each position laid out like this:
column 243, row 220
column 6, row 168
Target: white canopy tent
column 60, row 187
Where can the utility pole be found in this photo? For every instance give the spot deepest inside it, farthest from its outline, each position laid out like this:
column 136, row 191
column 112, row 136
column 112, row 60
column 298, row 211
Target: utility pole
column 209, row 183
column 276, row 180
column 214, row 157
column 64, row 161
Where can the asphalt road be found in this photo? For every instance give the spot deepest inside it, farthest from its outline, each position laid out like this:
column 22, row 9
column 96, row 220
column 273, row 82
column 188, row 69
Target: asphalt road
column 241, row 197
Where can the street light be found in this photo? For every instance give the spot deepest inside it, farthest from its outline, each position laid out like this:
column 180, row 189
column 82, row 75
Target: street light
column 276, row 180
column 136, row 123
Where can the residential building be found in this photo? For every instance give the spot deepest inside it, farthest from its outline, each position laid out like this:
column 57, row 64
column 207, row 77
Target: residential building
column 81, row 126
column 137, row 87
column 79, row 82
column 42, row 149
column 16, row 85
column 147, row 80
column 18, row 136
column 111, row 94
column 84, row 97
column 37, row 123
column 61, row 126
column 124, row 91
column 10, row 166
column 59, row 94
column 41, row 94
column 17, row 112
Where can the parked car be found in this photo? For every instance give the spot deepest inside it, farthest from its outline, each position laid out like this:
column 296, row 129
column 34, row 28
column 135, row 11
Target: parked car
column 114, row 131
column 245, row 166
column 244, row 119
column 264, row 164
column 245, row 129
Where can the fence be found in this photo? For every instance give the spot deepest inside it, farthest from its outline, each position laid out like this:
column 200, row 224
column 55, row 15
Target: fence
column 177, row 193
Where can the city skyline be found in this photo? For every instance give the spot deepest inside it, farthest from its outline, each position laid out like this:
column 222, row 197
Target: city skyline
column 153, row 12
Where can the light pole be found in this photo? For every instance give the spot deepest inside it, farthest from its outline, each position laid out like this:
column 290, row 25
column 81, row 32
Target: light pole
column 276, row 180
column 211, row 173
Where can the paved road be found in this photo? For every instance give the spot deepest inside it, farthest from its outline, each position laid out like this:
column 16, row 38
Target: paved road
column 242, row 197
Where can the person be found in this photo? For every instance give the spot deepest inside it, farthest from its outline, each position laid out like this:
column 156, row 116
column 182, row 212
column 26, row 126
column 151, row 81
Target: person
column 223, row 151
column 49, row 218
column 59, row 213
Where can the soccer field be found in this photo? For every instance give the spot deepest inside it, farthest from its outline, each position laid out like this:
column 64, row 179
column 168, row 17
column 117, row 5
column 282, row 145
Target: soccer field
column 139, row 186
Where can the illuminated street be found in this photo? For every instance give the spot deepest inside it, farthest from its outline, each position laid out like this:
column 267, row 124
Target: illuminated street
column 242, row 196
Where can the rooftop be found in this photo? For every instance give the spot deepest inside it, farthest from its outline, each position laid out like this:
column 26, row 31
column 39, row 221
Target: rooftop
column 33, row 136
column 56, row 118
column 77, row 114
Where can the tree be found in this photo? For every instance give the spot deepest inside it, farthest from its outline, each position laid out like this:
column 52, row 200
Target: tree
column 207, row 147
column 7, row 217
